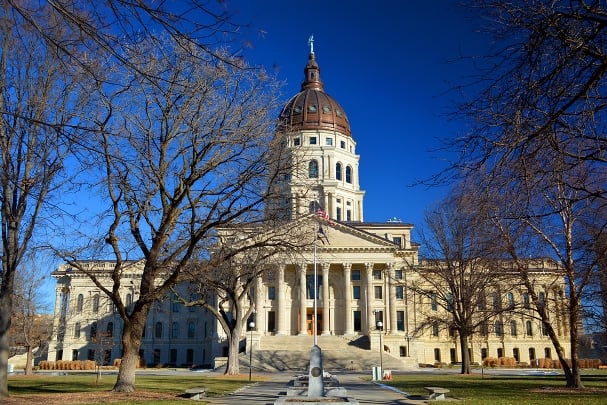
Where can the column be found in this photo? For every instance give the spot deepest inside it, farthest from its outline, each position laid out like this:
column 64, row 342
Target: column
column 326, row 304
column 391, row 291
column 302, row 299
column 349, row 327
column 369, row 297
column 280, row 300
column 259, row 315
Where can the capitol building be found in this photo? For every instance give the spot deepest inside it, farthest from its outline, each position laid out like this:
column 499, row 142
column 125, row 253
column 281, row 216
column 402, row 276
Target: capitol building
column 364, row 272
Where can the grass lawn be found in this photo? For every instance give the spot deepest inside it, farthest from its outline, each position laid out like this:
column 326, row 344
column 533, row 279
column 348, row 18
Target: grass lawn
column 85, row 384
column 500, row 390
column 81, row 388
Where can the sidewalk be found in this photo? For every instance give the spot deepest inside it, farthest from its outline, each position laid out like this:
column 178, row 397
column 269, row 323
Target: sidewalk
column 366, row 392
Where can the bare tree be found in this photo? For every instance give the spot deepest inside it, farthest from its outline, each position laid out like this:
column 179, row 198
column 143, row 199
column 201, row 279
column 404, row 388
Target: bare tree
column 183, row 155
column 538, row 138
column 243, row 256
column 30, row 328
column 40, row 105
column 460, row 270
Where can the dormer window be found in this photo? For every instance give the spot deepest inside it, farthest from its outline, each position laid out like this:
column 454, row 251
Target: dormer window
column 312, row 108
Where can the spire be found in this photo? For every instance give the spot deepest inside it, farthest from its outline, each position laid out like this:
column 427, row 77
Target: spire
column 312, row 71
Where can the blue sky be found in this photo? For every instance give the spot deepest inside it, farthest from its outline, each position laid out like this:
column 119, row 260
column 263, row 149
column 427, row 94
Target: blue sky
column 390, row 64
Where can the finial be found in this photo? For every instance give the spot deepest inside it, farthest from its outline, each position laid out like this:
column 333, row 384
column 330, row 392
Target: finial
column 311, row 43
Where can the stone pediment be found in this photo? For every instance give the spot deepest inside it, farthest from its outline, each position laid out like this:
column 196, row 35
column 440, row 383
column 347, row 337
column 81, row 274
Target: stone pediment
column 344, row 237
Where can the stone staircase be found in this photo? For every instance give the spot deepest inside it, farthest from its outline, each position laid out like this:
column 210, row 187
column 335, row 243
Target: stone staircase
column 292, row 353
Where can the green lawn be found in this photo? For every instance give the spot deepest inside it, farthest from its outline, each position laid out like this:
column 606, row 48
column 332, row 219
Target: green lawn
column 502, row 390
column 471, row 389
column 80, row 382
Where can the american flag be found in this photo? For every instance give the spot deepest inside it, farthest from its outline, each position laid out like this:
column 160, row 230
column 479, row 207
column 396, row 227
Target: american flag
column 324, row 216
column 322, row 235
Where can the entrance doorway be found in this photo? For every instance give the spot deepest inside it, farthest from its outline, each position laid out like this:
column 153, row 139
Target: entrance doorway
column 310, row 321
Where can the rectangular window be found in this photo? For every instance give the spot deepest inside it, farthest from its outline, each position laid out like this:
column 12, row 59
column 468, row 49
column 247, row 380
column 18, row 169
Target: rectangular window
column 77, row 330
column 400, row 321
column 355, row 276
column 398, row 274
column 191, row 329
column 272, row 293
column 356, row 292
column 433, row 302
column 516, row 354
column 342, row 144
column 338, row 213
column 397, row 241
column 399, row 292
column 74, row 354
column 329, row 141
column 513, row 328
column 312, row 140
column 271, row 321
column 173, row 356
column 434, row 328
column 189, row 357
column 357, row 321
column 296, row 142
column 376, row 274
column 378, row 292
column 348, row 215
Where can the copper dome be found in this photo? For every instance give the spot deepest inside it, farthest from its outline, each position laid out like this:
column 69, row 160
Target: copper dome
column 312, row 108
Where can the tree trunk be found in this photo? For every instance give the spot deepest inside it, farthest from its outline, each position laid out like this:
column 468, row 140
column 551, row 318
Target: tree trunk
column 233, row 365
column 29, row 360
column 131, row 342
column 5, row 309
column 463, row 344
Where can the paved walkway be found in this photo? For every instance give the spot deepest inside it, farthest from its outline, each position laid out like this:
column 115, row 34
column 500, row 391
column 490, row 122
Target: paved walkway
column 366, row 392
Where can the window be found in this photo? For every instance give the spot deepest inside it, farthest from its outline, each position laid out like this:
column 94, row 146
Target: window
column 437, row 355
column 531, row 353
column 547, row 353
column 77, row 330
column 542, row 299
column 93, row 330
column 399, row 292
column 173, row 356
column 434, row 328
column 511, row 301
column 356, row 292
column 329, row 141
column 312, row 140
column 400, row 321
column 342, row 144
column 378, row 292
column 376, row 274
column 175, row 330
column 348, row 215
column 449, row 302
column 74, row 354
column 348, row 174
column 499, row 328
column 338, row 171
column 109, row 330
column 338, row 213
column 398, row 274
column 79, row 303
column 355, row 276
column 189, row 356
column 397, row 241
column 526, row 300
column 496, row 301
column 191, row 329
column 176, row 304
column 529, row 328
column 482, row 302
column 272, row 293
column 357, row 321
column 158, row 330
column 433, row 302
column 296, row 142
column 484, row 329
column 96, row 303
column 516, row 354
column 129, row 299
column 313, row 169
column 500, row 352
column 513, row 328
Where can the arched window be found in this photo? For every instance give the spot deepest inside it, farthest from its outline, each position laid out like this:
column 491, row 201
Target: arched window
column 93, row 330
column 96, row 303
column 191, row 329
column 129, row 299
column 79, row 302
column 338, row 171
column 529, row 328
column 542, row 299
column 313, row 169
column 77, row 330
column 513, row 328
column 158, row 330
column 175, row 330
column 349, row 174
column 499, row 329
column 510, row 301
column 496, row 301
column 526, row 300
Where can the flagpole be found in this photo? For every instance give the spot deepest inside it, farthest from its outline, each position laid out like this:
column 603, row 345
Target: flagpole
column 315, row 289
